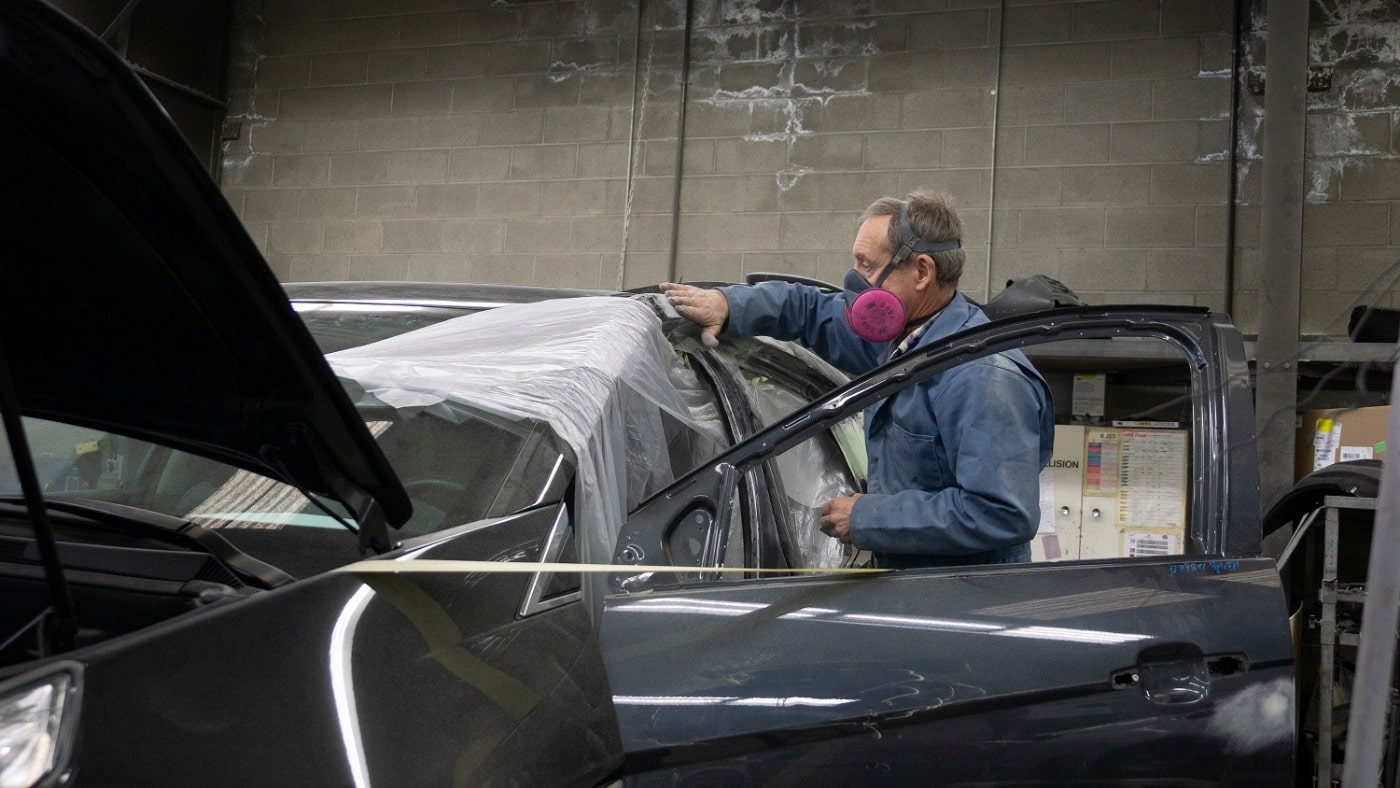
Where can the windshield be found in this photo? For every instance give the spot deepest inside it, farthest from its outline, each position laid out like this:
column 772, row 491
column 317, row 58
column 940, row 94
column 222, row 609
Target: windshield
column 276, row 522
column 458, row 464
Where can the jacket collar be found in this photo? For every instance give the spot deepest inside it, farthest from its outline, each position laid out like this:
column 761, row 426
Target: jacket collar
column 957, row 315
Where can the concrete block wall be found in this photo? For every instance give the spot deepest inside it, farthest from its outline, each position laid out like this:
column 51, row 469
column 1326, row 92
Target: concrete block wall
column 1111, row 174
column 433, row 141
column 537, row 142
column 1351, row 213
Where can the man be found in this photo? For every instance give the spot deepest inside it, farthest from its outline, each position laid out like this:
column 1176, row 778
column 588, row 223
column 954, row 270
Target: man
column 955, row 459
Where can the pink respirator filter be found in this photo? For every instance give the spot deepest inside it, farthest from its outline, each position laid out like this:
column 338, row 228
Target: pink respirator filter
column 876, row 315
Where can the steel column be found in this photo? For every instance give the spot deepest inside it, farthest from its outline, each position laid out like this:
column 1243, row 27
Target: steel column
column 1281, row 244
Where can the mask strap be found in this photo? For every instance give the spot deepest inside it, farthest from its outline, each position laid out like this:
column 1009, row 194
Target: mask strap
column 885, row 274
column 912, row 243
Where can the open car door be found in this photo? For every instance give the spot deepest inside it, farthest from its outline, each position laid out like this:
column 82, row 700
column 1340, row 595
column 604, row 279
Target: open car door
column 1148, row 644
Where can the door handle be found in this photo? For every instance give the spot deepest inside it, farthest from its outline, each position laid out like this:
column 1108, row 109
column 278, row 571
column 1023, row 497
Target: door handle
column 1177, row 673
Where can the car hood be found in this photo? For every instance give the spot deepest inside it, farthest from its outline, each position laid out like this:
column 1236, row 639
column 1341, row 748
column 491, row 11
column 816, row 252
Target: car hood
column 138, row 303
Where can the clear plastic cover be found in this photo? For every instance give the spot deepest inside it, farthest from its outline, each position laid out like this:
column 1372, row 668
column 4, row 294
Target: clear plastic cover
column 812, row 473
column 596, row 369
column 816, row 470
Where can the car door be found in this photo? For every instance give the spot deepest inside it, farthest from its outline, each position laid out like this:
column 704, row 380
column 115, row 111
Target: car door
column 1159, row 654
column 756, row 382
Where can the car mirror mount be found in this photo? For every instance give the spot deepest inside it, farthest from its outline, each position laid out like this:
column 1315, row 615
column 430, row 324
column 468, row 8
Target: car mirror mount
column 683, row 528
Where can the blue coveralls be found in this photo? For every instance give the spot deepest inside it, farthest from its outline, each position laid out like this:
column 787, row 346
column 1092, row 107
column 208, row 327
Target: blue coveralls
column 954, row 460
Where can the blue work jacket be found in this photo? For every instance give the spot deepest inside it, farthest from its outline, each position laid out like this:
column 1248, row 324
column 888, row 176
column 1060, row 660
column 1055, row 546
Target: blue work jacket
column 955, row 460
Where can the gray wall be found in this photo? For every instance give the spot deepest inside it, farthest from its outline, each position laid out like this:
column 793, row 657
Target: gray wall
column 1351, row 221
column 535, row 143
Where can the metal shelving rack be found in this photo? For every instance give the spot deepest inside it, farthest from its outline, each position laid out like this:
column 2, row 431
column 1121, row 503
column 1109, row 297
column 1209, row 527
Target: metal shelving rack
column 1329, row 594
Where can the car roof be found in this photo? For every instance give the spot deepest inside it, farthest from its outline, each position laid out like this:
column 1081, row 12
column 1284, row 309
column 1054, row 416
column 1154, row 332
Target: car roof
column 149, row 311
column 462, row 295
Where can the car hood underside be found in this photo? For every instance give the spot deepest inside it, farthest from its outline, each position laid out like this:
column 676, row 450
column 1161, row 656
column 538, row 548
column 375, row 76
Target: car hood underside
column 146, row 309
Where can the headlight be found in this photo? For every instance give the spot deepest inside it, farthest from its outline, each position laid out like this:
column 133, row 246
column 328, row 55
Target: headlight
column 37, row 713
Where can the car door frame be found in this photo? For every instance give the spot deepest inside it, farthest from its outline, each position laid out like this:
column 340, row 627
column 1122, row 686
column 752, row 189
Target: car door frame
column 1214, row 352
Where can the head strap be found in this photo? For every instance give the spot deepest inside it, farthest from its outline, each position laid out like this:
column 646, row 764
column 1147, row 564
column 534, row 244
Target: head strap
column 910, row 243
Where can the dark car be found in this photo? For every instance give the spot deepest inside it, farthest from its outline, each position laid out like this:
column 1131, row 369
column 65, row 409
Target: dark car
column 527, row 358
column 1152, row 619
column 140, row 648
column 196, row 610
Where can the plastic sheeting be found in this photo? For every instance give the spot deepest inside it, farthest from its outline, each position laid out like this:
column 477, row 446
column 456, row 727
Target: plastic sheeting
column 812, row 472
column 596, row 369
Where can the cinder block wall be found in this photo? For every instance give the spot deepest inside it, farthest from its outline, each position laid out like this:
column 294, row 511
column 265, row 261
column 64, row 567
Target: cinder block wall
column 1351, row 217
column 536, row 143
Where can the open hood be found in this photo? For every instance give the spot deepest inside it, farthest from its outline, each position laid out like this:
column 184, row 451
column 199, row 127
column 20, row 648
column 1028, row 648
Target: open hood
column 137, row 302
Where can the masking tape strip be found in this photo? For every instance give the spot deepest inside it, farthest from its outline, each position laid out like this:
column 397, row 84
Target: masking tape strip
column 431, row 565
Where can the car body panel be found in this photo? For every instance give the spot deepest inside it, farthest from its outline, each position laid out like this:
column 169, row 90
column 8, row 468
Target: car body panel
column 341, row 679
column 1017, row 665
column 1070, row 669
column 172, row 330
column 459, row 295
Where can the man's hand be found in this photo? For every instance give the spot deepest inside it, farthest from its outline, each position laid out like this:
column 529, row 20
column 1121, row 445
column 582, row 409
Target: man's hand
column 836, row 518
column 709, row 308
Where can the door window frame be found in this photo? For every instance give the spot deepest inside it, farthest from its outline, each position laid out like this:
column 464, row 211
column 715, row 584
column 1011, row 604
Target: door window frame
column 1223, row 516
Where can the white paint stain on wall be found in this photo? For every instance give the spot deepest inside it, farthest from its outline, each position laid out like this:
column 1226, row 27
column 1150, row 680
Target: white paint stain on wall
column 1336, row 12
column 559, row 71
column 1360, row 42
column 787, row 98
column 748, row 12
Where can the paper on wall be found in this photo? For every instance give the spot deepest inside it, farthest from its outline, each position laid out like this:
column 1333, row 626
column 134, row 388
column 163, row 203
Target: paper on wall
column 1325, row 441
column 1047, row 502
column 1101, row 463
column 1349, row 453
column 1139, row 544
column 1088, row 396
column 1152, row 479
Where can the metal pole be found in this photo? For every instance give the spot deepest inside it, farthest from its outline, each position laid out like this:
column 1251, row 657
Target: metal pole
column 1281, row 243
column 992, row 176
column 680, row 143
column 1233, row 191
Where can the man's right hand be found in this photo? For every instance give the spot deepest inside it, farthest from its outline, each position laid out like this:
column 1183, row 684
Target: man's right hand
column 709, row 308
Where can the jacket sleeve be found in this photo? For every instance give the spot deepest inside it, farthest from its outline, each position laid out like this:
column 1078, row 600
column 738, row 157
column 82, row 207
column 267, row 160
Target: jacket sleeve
column 782, row 310
column 990, row 418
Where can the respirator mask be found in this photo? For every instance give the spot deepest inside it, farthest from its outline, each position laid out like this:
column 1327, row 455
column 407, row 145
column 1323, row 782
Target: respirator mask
column 874, row 313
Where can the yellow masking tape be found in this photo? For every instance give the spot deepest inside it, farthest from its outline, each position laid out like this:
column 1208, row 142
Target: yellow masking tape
column 429, row 565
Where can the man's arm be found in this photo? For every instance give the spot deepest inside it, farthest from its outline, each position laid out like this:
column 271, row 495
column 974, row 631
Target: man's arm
column 780, row 310
column 989, row 419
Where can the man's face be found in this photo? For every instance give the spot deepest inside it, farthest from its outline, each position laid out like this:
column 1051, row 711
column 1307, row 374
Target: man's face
column 871, row 253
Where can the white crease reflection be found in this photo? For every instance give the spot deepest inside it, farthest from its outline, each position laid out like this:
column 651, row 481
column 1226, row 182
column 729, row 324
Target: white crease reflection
column 704, row 607
column 711, row 607
column 1073, row 635
column 920, row 622
column 725, row 700
column 343, row 680
column 343, row 685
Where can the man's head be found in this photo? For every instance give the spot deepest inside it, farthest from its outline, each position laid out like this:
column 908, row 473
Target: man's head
column 924, row 281
column 932, row 218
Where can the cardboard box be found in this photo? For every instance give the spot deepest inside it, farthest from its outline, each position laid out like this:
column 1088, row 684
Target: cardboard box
column 1325, row 437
